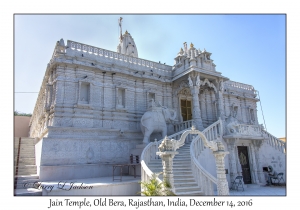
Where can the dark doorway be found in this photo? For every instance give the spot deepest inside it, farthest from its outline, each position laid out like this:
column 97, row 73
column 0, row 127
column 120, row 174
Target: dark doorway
column 186, row 110
column 244, row 160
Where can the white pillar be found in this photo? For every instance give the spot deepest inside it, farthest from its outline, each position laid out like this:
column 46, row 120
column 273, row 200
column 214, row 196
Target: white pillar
column 232, row 159
column 222, row 184
column 167, row 151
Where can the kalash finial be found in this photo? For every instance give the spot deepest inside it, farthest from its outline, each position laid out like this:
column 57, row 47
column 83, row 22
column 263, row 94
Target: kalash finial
column 126, row 32
column 191, row 45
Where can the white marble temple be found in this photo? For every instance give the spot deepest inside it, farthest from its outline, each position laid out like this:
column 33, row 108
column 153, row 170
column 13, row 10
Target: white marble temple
column 94, row 103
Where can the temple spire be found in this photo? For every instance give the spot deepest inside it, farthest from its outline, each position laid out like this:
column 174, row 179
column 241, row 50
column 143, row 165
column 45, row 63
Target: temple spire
column 126, row 45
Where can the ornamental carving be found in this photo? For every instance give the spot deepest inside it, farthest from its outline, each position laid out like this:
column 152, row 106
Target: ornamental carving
column 209, row 84
column 185, row 91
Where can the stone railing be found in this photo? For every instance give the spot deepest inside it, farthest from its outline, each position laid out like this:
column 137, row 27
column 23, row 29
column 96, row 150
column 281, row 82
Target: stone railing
column 249, row 130
column 213, row 131
column 151, row 66
column 183, row 125
column 274, row 142
column 203, row 177
column 232, row 84
column 149, row 153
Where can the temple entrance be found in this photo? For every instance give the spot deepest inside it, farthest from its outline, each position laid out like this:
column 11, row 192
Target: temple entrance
column 244, row 160
column 186, row 109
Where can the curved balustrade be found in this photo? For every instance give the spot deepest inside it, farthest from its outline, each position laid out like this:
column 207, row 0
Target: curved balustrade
column 83, row 48
column 274, row 142
column 149, row 153
column 203, row 177
column 213, row 131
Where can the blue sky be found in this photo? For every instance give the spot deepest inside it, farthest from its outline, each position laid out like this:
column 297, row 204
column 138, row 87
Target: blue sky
column 250, row 49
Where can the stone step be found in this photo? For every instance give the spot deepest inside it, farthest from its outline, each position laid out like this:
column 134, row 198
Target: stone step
column 26, row 161
column 27, row 172
column 28, row 192
column 184, row 149
column 182, row 176
column 24, row 184
column 25, row 156
column 26, row 177
column 177, row 172
column 29, row 179
column 26, row 153
column 177, row 165
column 178, row 161
column 193, row 193
column 183, row 179
column 26, row 169
column 28, row 139
column 185, row 184
column 189, row 189
column 182, row 160
column 182, row 154
column 25, row 142
column 25, row 148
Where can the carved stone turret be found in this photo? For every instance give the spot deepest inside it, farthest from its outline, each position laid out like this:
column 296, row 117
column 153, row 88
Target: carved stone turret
column 127, row 45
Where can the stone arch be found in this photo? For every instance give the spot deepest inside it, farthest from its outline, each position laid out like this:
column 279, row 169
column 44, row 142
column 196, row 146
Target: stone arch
column 209, row 84
column 210, row 144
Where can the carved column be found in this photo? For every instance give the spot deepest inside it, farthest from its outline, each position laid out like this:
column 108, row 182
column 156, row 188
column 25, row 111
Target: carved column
column 166, row 153
column 232, row 158
column 196, row 108
column 222, row 184
column 219, row 96
column 254, row 165
column 261, row 177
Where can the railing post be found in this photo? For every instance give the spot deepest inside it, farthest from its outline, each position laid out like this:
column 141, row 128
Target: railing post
column 222, row 184
column 167, row 151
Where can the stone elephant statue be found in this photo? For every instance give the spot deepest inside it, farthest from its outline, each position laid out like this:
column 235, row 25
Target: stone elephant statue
column 156, row 121
column 232, row 125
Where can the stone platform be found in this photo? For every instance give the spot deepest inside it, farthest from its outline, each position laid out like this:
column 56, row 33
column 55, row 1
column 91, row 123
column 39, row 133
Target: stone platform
column 102, row 186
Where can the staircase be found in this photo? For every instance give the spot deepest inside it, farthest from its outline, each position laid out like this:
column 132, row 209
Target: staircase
column 184, row 181
column 190, row 178
column 25, row 168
